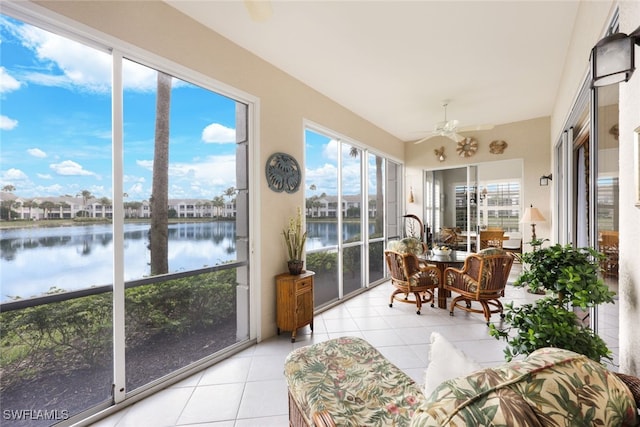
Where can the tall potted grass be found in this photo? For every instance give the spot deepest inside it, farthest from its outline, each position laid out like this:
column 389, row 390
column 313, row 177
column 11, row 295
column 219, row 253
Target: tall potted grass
column 295, row 240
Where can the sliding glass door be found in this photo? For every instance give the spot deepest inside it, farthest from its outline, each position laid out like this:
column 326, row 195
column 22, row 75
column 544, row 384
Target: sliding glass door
column 125, row 258
column 473, row 198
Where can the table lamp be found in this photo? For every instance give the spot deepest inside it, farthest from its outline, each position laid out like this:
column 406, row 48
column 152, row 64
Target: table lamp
column 532, row 215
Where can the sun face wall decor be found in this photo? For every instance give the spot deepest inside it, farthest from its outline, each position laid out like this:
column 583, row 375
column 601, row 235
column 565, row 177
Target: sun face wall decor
column 467, row 147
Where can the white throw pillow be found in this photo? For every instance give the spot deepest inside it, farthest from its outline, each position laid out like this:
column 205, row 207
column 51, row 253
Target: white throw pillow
column 445, row 362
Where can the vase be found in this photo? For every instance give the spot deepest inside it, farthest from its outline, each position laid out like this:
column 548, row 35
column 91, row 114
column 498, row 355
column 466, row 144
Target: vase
column 295, row 266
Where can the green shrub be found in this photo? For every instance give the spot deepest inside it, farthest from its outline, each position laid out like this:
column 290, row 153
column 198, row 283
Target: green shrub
column 77, row 333
column 322, row 262
column 570, row 278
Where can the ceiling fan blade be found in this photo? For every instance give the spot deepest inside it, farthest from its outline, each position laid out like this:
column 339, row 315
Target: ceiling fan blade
column 475, row 127
column 425, row 138
column 455, row 137
column 259, row 10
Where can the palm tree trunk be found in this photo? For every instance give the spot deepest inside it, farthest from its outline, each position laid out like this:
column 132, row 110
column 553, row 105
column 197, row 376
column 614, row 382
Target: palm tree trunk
column 159, row 233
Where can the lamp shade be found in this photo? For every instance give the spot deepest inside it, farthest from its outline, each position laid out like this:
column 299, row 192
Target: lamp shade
column 532, row 215
column 612, row 60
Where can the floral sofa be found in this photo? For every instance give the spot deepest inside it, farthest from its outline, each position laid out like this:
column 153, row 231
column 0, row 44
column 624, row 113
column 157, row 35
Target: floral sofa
column 347, row 382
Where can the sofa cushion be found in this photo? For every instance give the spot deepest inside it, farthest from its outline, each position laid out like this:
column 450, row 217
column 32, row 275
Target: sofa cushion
column 551, row 387
column 353, row 382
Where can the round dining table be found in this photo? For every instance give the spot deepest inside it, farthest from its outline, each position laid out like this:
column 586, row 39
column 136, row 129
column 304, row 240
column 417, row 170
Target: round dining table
column 453, row 259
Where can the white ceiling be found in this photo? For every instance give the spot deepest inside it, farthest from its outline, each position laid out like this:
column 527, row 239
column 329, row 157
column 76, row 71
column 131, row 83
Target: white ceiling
column 395, row 62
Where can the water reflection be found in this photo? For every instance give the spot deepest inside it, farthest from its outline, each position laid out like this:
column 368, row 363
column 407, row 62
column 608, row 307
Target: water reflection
column 323, row 234
column 33, row 260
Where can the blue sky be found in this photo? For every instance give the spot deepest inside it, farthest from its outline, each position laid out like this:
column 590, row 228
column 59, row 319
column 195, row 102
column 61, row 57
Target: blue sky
column 55, row 123
column 55, row 126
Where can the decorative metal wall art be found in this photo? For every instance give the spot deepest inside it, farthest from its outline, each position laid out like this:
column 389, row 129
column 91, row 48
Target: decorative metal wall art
column 497, row 147
column 467, row 147
column 283, row 173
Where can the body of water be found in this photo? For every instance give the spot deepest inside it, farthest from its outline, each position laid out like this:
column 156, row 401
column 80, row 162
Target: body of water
column 34, row 260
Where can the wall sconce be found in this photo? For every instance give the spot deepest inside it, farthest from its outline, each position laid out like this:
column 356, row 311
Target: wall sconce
column 439, row 152
column 411, row 199
column 612, row 58
column 544, row 180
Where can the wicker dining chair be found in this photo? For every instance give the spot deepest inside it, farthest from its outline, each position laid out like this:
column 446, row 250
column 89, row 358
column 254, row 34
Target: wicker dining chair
column 491, row 239
column 608, row 245
column 414, row 281
column 482, row 279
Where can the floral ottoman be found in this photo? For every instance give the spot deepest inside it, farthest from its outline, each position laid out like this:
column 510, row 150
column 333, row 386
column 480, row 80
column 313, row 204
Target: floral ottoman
column 350, row 383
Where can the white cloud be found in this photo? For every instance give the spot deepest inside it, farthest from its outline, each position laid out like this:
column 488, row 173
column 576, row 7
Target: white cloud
column 43, row 176
column 36, row 152
column 7, row 123
column 133, row 178
column 136, row 191
column 66, row 63
column 323, row 177
column 51, row 190
column 69, row 167
column 217, row 133
column 330, row 151
column 14, row 174
column 7, row 82
column 205, row 178
column 146, row 164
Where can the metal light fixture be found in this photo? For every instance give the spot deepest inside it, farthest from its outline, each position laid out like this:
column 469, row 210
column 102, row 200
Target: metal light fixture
column 612, row 58
column 483, row 194
column 544, row 180
column 532, row 215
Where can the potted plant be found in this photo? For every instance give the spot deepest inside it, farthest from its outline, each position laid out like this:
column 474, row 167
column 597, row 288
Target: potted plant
column 569, row 277
column 295, row 239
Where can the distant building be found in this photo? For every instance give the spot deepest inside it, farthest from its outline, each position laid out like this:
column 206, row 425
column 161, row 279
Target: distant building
column 68, row 207
column 327, row 206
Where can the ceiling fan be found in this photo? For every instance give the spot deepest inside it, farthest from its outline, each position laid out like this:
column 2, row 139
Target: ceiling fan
column 450, row 129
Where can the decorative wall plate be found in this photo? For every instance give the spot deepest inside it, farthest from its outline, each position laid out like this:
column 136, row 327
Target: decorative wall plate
column 497, row 147
column 283, row 173
column 467, row 147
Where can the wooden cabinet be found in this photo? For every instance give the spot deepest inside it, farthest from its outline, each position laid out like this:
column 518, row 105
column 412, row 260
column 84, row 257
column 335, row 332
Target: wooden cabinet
column 294, row 299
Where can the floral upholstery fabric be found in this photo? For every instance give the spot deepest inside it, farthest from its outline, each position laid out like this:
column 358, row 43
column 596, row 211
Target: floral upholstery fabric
column 407, row 245
column 353, row 381
column 551, row 387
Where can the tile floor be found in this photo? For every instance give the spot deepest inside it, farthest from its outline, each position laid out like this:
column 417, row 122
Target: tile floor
column 249, row 389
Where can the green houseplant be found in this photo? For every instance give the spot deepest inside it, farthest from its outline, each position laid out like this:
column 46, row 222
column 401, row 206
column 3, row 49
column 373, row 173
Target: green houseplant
column 569, row 277
column 295, row 239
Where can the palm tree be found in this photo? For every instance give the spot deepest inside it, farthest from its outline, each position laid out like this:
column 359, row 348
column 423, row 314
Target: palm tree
column 218, row 203
column 86, row 196
column 230, row 192
column 46, row 207
column 29, row 204
column 9, row 189
column 159, row 232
